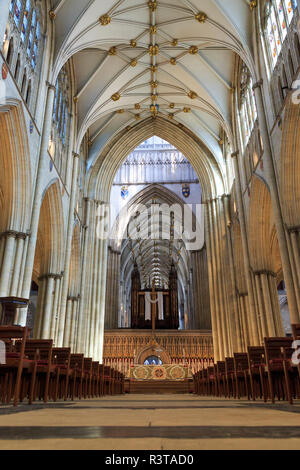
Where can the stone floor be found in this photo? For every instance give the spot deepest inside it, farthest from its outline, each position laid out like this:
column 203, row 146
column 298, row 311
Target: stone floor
column 151, row 422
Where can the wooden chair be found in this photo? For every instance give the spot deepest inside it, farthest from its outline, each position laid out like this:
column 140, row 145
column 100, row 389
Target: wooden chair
column 211, row 382
column 40, row 353
column 11, row 372
column 76, row 379
column 95, row 390
column 61, row 359
column 241, row 375
column 296, row 337
column 229, row 377
column 220, row 372
column 107, row 381
column 282, row 376
column 87, row 377
column 102, row 382
column 257, row 374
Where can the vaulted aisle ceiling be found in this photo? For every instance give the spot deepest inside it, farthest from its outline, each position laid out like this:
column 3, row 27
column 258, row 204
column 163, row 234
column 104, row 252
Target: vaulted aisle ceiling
column 135, row 58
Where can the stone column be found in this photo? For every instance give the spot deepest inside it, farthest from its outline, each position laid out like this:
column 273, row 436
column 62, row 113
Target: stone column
column 37, row 201
column 212, row 285
column 235, row 326
column 74, row 323
column 20, row 242
column 99, row 330
column 83, row 280
column 68, row 248
column 7, row 263
column 54, row 318
column 47, row 307
column 254, row 333
column 277, row 211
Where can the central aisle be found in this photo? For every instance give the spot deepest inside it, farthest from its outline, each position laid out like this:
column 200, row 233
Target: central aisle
column 153, row 422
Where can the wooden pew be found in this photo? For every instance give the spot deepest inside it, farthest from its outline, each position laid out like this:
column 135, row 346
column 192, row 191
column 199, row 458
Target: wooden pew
column 11, row 372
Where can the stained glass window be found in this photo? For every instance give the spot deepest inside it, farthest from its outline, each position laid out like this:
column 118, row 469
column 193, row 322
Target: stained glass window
column 248, row 110
column 25, row 20
column 279, row 15
column 61, row 105
column 25, row 14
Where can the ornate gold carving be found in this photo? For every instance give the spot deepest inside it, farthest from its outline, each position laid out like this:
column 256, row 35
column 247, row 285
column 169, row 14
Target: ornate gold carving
column 192, row 95
column 186, row 110
column 116, row 97
column 193, row 50
column 172, row 105
column 154, row 98
column 133, row 43
column 173, row 61
column 154, row 84
column 152, row 5
column 105, row 20
column 120, row 111
column 52, row 15
column 137, row 106
column 153, row 50
column 112, row 51
column 201, row 17
column 253, row 5
column 133, row 63
column 174, row 43
column 153, row 29
column 154, row 68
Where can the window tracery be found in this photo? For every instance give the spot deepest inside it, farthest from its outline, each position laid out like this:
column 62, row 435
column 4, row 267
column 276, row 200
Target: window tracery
column 23, row 45
column 279, row 15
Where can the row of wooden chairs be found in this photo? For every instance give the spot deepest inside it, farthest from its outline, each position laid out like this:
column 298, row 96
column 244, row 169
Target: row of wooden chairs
column 268, row 372
column 35, row 370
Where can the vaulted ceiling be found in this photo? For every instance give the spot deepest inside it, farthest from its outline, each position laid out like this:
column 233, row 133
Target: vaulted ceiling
column 131, row 55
